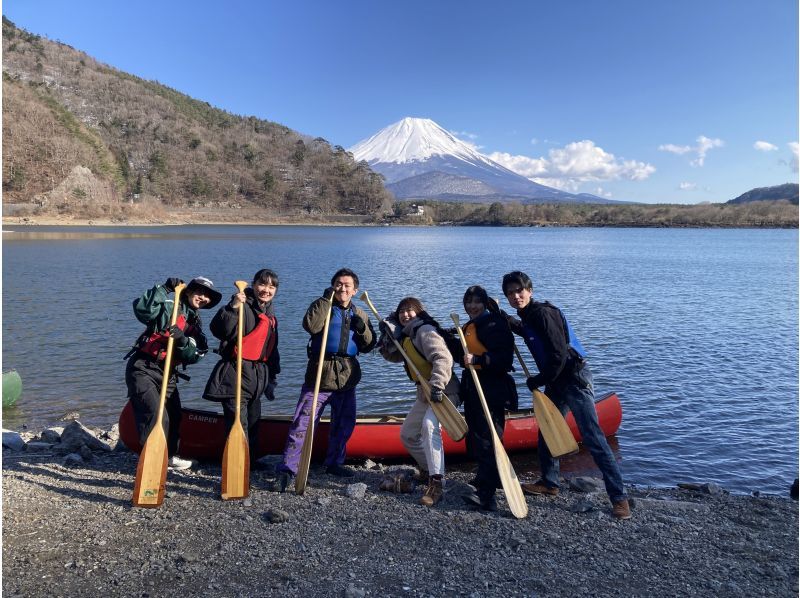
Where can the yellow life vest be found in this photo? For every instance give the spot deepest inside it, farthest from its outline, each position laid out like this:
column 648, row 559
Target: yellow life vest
column 474, row 345
column 417, row 359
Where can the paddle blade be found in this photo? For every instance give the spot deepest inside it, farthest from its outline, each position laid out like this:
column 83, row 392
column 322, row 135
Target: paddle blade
column 450, row 418
column 236, row 464
column 554, row 428
column 151, row 472
column 508, row 478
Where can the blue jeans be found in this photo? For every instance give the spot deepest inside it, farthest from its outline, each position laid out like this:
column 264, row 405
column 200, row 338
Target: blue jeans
column 577, row 394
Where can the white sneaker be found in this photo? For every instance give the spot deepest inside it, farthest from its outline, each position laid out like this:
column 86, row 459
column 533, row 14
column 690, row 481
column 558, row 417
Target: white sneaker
column 175, row 462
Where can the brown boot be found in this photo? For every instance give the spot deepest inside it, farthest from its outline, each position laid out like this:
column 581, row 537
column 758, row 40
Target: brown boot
column 621, row 510
column 539, row 488
column 433, row 493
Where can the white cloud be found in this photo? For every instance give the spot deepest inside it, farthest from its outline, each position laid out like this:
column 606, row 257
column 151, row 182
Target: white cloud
column 687, row 186
column 704, row 144
column 675, row 149
column 574, row 164
column 765, row 146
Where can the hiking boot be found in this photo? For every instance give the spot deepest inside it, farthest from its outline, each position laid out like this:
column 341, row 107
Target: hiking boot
column 540, row 488
column 621, row 510
column 177, row 463
column 421, row 476
column 340, row 471
column 433, row 493
column 280, row 483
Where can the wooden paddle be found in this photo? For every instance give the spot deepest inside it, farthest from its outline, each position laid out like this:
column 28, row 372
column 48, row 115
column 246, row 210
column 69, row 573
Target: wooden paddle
column 151, row 472
column 305, row 454
column 445, row 412
column 236, row 458
column 508, row 477
column 554, row 428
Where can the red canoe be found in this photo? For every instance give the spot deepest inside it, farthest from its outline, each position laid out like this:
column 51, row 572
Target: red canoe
column 375, row 436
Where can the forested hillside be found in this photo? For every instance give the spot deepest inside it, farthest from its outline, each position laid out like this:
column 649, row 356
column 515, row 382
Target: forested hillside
column 83, row 138
column 786, row 192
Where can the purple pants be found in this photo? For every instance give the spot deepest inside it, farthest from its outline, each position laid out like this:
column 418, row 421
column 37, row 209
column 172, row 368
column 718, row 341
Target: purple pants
column 343, row 420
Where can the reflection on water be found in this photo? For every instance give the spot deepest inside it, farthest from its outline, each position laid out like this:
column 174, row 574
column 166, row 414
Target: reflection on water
column 691, row 328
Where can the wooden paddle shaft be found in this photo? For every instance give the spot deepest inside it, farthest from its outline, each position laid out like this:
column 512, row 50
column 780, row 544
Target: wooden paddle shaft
column 241, row 285
column 305, row 453
column 176, row 305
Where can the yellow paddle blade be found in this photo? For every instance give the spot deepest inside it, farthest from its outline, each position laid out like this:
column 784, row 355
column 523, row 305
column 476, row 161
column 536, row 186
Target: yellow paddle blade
column 450, row 418
column 554, row 428
column 236, row 464
column 151, row 472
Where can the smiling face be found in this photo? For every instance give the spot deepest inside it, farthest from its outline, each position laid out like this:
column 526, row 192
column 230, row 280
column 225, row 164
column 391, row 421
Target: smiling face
column 265, row 290
column 474, row 306
column 197, row 298
column 405, row 314
column 344, row 289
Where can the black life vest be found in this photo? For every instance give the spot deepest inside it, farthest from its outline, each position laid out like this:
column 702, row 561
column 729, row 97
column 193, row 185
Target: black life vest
column 258, row 344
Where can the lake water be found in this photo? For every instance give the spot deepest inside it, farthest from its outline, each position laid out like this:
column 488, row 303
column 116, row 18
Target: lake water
column 696, row 330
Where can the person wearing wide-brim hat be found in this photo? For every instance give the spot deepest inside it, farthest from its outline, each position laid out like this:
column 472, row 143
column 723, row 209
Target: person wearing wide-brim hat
column 144, row 373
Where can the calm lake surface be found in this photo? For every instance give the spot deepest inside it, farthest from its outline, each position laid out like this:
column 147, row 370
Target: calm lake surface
column 696, row 330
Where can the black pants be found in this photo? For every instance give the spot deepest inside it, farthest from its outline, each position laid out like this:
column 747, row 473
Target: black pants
column 480, row 434
column 249, row 415
column 144, row 378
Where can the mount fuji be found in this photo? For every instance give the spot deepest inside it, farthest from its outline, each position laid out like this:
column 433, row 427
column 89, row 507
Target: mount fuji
column 420, row 160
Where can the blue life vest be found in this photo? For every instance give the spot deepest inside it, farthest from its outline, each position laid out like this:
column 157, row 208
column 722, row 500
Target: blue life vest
column 340, row 337
column 536, row 345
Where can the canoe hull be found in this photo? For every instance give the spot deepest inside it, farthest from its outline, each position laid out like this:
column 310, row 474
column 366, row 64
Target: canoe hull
column 374, row 437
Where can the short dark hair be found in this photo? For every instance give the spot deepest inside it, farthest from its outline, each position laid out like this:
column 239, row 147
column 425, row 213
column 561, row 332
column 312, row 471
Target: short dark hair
column 264, row 276
column 517, row 277
column 411, row 302
column 345, row 272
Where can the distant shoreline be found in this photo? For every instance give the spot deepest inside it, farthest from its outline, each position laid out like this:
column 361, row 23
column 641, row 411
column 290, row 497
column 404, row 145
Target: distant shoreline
column 88, row 222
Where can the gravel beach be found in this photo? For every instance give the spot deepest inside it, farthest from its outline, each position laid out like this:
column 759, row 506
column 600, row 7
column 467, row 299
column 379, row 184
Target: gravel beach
column 69, row 530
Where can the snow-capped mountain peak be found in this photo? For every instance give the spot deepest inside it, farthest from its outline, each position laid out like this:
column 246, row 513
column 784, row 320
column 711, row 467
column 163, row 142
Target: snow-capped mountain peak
column 413, row 139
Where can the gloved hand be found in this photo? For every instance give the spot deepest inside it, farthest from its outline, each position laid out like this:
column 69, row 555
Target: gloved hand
column 171, row 283
column 533, row 383
column 357, row 324
column 479, row 359
column 437, row 394
column 269, row 391
column 385, row 328
column 178, row 336
column 327, row 293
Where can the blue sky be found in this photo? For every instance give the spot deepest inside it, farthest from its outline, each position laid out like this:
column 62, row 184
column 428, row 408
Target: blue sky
column 679, row 101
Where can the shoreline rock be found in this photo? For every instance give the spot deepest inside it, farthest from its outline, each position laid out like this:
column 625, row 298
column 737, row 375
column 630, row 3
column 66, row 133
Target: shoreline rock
column 70, row 529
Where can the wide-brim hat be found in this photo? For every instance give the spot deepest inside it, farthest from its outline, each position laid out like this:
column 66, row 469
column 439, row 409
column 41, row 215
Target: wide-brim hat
column 208, row 287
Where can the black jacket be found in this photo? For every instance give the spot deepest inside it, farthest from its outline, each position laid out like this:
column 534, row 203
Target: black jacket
column 551, row 350
column 256, row 375
column 498, row 386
